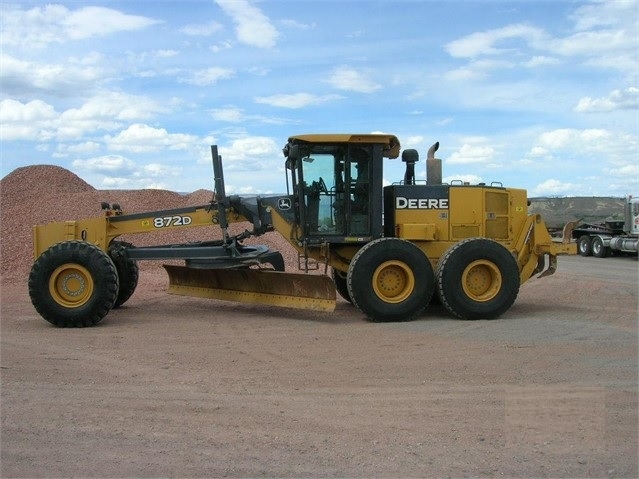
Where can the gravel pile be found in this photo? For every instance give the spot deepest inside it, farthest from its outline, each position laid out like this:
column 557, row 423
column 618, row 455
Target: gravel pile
column 41, row 194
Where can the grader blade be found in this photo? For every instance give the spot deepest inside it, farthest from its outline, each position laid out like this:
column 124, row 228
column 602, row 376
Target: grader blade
column 275, row 288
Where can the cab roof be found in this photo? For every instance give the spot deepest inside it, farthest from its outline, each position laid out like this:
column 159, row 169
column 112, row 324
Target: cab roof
column 390, row 142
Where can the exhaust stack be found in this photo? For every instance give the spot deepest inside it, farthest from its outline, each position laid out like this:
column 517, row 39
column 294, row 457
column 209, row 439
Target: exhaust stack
column 433, row 167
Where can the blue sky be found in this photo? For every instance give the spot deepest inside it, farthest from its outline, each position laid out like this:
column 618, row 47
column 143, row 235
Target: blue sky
column 541, row 95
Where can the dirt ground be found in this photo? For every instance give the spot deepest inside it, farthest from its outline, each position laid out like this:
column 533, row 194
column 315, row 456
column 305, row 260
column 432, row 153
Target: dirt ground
column 169, row 386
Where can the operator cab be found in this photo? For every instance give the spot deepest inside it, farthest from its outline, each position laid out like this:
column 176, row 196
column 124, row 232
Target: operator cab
column 338, row 181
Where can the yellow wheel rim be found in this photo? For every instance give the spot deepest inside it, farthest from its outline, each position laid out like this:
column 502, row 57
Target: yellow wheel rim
column 71, row 285
column 393, row 281
column 481, row 280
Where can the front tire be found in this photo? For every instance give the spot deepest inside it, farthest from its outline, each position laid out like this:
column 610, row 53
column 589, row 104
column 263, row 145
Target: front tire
column 73, row 284
column 477, row 278
column 390, row 279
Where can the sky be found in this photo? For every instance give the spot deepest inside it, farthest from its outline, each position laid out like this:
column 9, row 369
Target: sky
column 541, row 95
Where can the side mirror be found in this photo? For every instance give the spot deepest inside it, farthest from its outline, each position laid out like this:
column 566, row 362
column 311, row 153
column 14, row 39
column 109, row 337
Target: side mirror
column 292, row 152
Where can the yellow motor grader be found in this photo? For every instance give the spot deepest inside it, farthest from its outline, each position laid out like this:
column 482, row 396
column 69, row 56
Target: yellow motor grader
column 389, row 249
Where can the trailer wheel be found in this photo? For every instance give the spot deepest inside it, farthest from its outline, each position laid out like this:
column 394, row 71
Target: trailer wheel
column 128, row 271
column 598, row 248
column 584, row 245
column 477, row 278
column 339, row 278
column 73, row 284
column 390, row 279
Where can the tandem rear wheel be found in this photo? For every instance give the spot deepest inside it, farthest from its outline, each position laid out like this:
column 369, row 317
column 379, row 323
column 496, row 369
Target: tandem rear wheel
column 477, row 278
column 390, row 279
column 74, row 284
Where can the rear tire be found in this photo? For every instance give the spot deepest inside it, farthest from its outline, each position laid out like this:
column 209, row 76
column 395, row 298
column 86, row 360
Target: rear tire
column 598, row 248
column 477, row 278
column 390, row 279
column 584, row 245
column 128, row 271
column 73, row 284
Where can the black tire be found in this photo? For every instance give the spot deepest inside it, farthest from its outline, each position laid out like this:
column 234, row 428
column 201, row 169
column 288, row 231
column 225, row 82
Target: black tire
column 340, row 280
column 390, row 279
column 73, row 284
column 477, row 278
column 128, row 271
column 584, row 245
column 597, row 247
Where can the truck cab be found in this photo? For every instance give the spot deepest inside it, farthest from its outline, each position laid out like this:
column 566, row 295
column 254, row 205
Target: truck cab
column 337, row 179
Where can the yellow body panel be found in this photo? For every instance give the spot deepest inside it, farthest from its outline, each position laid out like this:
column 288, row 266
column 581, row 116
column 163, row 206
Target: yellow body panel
column 101, row 230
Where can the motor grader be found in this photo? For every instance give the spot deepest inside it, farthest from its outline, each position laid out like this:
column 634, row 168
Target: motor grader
column 388, row 250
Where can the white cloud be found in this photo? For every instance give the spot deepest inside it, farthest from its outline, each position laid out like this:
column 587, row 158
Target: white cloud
column 603, row 153
column 486, row 43
column 230, row 114
column 471, row 153
column 412, row 141
column 33, row 111
column 208, row 76
column 79, row 148
column 251, row 25
column 106, row 111
column 347, row 78
column 604, row 14
column 477, row 70
column 575, row 139
column 24, row 78
column 117, row 106
column 89, row 22
column 287, row 22
column 33, row 121
column 626, row 172
column 553, row 187
column 296, row 100
column 538, row 152
column 165, row 53
column 541, row 60
column 465, row 73
column 116, row 171
column 627, row 99
column 111, row 164
column 41, row 25
column 590, row 43
column 250, row 153
column 141, row 138
column 202, row 29
column 159, row 170
column 604, row 37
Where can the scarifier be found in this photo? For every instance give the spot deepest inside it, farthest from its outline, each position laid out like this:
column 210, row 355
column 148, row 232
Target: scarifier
column 389, row 249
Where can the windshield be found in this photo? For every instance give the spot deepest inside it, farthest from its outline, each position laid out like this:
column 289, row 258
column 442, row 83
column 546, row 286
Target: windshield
column 336, row 185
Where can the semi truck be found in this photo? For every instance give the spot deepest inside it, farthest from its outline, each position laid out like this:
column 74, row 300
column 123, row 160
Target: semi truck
column 613, row 236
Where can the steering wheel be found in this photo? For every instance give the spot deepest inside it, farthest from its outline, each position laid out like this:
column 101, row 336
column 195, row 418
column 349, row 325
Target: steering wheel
column 322, row 185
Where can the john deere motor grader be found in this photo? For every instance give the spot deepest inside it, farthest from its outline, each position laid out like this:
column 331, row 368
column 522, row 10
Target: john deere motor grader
column 389, row 248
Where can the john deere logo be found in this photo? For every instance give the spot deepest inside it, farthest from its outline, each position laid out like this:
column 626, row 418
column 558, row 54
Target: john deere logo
column 284, row 204
column 402, row 203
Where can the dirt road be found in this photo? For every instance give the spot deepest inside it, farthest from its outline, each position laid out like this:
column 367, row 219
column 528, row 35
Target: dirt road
column 180, row 387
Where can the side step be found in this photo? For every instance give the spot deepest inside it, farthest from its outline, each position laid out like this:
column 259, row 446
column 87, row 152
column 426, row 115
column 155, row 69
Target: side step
column 275, row 288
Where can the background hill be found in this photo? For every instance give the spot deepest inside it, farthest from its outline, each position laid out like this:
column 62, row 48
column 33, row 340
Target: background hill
column 558, row 211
